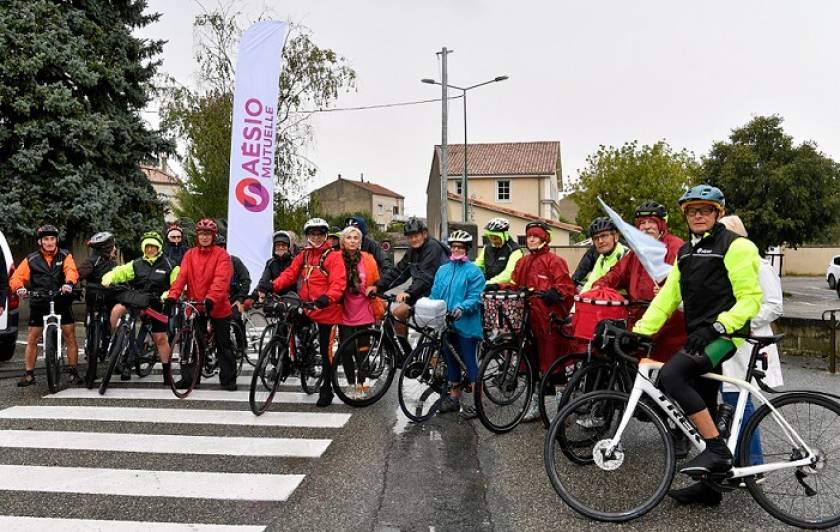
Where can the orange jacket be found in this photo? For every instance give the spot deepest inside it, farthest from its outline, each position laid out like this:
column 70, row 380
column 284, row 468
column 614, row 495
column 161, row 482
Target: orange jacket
column 20, row 278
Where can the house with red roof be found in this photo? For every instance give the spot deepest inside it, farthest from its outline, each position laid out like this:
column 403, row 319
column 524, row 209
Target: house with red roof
column 165, row 184
column 347, row 195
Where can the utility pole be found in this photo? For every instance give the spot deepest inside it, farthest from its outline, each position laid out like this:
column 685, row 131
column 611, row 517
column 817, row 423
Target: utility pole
column 444, row 149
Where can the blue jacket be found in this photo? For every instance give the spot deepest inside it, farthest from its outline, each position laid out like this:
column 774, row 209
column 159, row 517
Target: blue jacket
column 460, row 284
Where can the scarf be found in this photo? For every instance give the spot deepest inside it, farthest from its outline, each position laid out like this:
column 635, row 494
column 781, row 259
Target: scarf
column 351, row 264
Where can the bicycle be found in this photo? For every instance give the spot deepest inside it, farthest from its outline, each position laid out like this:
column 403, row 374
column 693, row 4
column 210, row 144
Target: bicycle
column 505, row 380
column 130, row 346
column 372, row 355
column 210, row 366
column 254, row 323
column 189, row 345
column 284, row 351
column 55, row 353
column 97, row 335
column 624, row 456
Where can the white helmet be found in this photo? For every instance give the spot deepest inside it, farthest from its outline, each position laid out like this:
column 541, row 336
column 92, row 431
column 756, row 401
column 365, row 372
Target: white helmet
column 316, row 223
column 459, row 235
column 498, row 225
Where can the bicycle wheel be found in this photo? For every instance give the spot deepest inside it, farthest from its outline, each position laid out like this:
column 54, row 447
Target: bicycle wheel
column 267, row 375
column 618, row 487
column 56, row 374
column 115, row 353
column 255, row 325
column 553, row 383
column 310, row 362
column 806, row 497
column 593, row 376
column 265, row 336
column 503, row 388
column 148, row 355
column 190, row 361
column 422, row 383
column 238, row 344
column 93, row 341
column 368, row 362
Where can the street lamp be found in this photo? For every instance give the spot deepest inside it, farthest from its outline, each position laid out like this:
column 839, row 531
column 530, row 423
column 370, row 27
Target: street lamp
column 465, row 189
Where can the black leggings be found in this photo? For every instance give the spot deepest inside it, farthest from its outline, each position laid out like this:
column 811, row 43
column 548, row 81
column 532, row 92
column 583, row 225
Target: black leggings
column 324, row 337
column 680, row 378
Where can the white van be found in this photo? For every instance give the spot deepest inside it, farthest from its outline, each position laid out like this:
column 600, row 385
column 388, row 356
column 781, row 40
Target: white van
column 9, row 318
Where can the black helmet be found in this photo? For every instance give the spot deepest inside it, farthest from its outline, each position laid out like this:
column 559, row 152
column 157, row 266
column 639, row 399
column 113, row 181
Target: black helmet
column 651, row 208
column 47, row 230
column 601, row 224
column 221, row 241
column 282, row 236
column 102, row 240
column 414, row 225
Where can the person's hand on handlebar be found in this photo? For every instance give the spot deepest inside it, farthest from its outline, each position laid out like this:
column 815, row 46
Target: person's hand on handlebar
column 322, row 302
column 402, row 297
column 551, row 297
column 21, row 292
column 456, row 313
column 66, row 288
column 370, row 291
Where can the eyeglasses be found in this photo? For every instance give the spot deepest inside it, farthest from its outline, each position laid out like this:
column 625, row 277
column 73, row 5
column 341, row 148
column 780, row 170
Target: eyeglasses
column 458, row 246
column 602, row 236
column 705, row 210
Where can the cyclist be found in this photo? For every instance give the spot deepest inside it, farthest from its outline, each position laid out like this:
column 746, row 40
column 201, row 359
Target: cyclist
column 716, row 279
column 97, row 264
column 319, row 272
column 587, row 261
column 153, row 274
column 420, row 264
column 460, row 283
column 175, row 246
column 369, row 245
column 281, row 259
column 544, row 271
column 604, row 236
column 357, row 309
column 206, row 271
column 498, row 258
column 48, row 268
column 334, row 237
column 629, row 275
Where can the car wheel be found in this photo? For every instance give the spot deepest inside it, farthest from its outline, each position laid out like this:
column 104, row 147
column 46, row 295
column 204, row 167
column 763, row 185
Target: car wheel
column 832, row 282
column 7, row 348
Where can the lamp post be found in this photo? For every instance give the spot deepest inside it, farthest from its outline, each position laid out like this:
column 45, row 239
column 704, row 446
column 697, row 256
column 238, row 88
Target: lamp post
column 464, row 186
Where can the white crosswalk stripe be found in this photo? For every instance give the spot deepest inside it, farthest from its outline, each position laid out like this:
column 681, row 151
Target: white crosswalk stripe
column 164, row 394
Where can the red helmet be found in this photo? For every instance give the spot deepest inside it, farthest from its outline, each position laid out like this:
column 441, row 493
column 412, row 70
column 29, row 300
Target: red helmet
column 206, row 224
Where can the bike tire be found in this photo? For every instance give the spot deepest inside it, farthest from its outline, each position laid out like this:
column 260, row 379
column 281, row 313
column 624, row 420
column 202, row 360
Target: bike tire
column 502, row 366
column 52, row 359
column 115, row 353
column 378, row 364
column 423, row 383
column 789, row 481
column 310, row 363
column 148, row 356
column 93, row 341
column 255, row 325
column 190, row 360
column 265, row 337
column 267, row 375
column 629, row 490
column 239, row 345
column 556, row 376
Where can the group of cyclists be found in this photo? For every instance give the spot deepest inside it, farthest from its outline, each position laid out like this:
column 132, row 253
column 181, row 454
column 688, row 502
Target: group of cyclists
column 712, row 292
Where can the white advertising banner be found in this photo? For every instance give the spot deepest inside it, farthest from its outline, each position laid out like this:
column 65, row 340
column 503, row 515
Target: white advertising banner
column 251, row 190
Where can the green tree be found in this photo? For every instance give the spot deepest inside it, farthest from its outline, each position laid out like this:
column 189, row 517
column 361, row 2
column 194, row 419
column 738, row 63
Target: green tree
column 311, row 78
column 625, row 177
column 782, row 192
column 73, row 81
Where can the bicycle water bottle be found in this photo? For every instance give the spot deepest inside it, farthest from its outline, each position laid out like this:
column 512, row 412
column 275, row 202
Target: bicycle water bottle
column 725, row 413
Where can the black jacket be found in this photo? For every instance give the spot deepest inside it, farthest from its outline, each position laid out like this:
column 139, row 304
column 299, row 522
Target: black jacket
column 93, row 268
column 175, row 253
column 4, row 280
column 273, row 268
column 383, row 260
column 240, row 282
column 420, row 265
column 587, row 262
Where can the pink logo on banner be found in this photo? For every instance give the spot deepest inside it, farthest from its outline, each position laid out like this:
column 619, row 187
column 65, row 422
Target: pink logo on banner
column 252, row 195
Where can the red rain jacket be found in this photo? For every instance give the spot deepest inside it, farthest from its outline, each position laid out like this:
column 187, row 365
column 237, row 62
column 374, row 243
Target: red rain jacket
column 206, row 272
column 317, row 276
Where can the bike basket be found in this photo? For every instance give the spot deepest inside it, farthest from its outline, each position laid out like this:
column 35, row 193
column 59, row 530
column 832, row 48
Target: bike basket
column 504, row 312
column 594, row 306
column 134, row 298
column 430, row 313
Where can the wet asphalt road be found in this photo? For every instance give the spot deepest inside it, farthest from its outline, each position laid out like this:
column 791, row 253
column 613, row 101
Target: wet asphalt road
column 808, row 297
column 379, row 472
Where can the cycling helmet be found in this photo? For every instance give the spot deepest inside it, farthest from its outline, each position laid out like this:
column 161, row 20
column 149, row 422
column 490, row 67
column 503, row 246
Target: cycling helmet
column 601, row 224
column 651, row 208
column 47, row 230
column 102, row 240
column 206, row 224
column 704, row 194
column 334, row 231
column 498, row 225
column 316, row 224
column 221, row 241
column 414, row 225
column 282, row 236
column 461, row 236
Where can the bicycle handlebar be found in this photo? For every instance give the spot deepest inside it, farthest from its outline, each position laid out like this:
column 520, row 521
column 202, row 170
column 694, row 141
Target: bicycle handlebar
column 52, row 294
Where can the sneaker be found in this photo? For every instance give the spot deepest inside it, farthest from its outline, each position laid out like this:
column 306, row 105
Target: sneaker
column 448, row 405
column 697, row 493
column 231, row 387
column 28, row 379
column 468, row 412
column 75, row 378
column 716, row 458
column 325, row 398
column 183, row 384
column 126, row 374
column 533, row 412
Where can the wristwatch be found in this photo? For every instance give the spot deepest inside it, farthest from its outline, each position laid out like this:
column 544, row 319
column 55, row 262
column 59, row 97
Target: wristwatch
column 718, row 326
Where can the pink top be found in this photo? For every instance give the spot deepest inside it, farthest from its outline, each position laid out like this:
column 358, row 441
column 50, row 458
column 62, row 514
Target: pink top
column 355, row 308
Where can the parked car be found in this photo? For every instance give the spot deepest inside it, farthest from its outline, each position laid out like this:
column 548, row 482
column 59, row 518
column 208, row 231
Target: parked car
column 9, row 318
column 832, row 273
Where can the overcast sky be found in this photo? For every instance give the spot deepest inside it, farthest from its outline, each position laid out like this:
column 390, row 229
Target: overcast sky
column 584, row 73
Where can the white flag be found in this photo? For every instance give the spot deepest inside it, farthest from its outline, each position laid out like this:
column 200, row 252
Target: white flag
column 252, row 148
column 651, row 252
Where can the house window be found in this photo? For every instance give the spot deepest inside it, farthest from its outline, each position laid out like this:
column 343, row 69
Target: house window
column 459, row 187
column 396, row 210
column 380, row 208
column 503, row 190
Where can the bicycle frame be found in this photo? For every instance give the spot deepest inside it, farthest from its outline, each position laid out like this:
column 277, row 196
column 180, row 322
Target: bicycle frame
column 53, row 320
column 644, row 385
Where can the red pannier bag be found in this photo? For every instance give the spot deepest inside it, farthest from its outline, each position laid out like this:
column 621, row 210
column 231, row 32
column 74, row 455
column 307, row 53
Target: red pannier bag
column 595, row 305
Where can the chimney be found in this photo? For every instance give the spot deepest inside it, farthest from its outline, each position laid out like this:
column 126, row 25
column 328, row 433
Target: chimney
column 339, row 176
column 363, row 177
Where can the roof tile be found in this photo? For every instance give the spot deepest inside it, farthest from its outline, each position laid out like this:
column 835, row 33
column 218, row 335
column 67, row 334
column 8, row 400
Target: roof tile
column 505, row 158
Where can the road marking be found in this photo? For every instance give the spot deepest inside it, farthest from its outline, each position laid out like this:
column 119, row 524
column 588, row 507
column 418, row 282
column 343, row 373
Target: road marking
column 14, row 523
column 166, row 394
column 141, row 483
column 178, row 416
column 163, row 443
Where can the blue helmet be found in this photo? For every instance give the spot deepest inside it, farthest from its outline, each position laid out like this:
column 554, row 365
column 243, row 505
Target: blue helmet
column 704, row 193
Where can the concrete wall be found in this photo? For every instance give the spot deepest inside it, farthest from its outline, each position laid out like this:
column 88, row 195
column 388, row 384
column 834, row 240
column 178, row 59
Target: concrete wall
column 481, row 215
column 524, row 192
column 342, row 197
column 807, row 260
